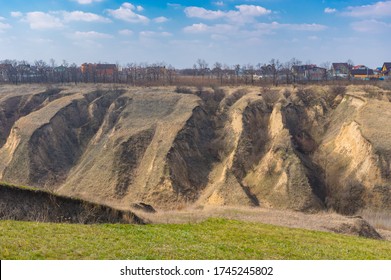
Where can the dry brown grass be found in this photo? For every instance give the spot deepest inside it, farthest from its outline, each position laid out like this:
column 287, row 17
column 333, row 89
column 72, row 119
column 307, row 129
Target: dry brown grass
column 321, row 221
column 379, row 219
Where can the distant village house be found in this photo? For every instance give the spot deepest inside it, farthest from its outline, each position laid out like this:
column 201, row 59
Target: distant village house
column 386, row 69
column 340, row 70
column 99, row 72
column 309, row 72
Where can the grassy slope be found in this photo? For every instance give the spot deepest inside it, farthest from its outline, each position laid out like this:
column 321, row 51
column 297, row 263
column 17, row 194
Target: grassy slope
column 212, row 239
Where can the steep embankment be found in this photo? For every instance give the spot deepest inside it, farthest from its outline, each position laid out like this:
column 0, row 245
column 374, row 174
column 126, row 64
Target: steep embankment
column 355, row 154
column 29, row 204
column 304, row 149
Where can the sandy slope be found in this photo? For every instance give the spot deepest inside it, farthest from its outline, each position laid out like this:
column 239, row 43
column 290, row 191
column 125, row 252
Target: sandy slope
column 305, row 149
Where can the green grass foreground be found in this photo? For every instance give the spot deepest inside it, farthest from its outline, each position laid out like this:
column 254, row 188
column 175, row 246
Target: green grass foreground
column 211, row 239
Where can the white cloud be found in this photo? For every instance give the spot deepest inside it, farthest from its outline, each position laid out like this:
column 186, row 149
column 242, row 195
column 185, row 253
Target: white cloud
column 305, row 27
column 125, row 32
column 219, row 3
column 197, row 12
column 84, row 2
column 244, row 13
column 196, row 28
column 215, row 29
column 370, row 26
column 330, row 10
column 379, row 9
column 126, row 13
column 16, row 14
column 57, row 19
column 251, row 10
column 292, row 26
column 4, row 26
column 160, row 19
column 91, row 35
column 258, row 29
column 40, row 20
column 82, row 16
column 155, row 34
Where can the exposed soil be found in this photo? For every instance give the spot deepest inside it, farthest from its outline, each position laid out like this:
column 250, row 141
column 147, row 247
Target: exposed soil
column 306, row 149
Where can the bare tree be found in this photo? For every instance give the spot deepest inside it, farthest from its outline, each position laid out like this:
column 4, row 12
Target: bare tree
column 202, row 67
column 294, row 62
column 286, row 70
column 237, row 72
column 276, row 67
column 350, row 66
column 326, row 65
column 218, row 69
column 250, row 72
column 42, row 68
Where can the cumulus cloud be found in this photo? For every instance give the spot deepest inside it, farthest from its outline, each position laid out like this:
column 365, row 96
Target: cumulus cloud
column 4, row 26
column 243, row 13
column 292, row 26
column 370, row 26
column 251, row 10
column 330, row 10
column 379, row 9
column 83, row 16
column 257, row 29
column 127, row 13
column 41, row 20
column 197, row 12
column 160, row 19
column 91, row 35
column 57, row 19
column 16, row 14
column 151, row 34
column 125, row 32
column 216, row 29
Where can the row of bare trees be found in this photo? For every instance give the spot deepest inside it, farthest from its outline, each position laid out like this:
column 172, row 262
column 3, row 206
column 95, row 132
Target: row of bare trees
column 16, row 72
column 273, row 72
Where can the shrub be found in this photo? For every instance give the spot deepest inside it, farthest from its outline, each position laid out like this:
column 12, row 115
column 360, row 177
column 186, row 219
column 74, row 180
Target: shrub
column 270, row 97
column 287, row 93
column 182, row 89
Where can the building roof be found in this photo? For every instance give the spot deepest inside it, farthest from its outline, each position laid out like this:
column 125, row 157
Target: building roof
column 340, row 65
column 387, row 65
column 302, row 68
column 362, row 71
column 316, row 68
column 360, row 67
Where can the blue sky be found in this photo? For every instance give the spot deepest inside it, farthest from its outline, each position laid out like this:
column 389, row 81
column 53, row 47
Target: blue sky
column 178, row 32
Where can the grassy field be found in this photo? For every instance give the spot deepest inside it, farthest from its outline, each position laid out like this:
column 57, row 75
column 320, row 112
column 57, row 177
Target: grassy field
column 211, row 239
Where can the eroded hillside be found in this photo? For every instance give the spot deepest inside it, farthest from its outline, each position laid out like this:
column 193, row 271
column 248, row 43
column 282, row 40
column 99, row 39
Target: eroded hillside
column 306, row 148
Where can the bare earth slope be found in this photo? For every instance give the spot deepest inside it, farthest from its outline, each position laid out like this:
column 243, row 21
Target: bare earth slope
column 27, row 204
column 304, row 149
